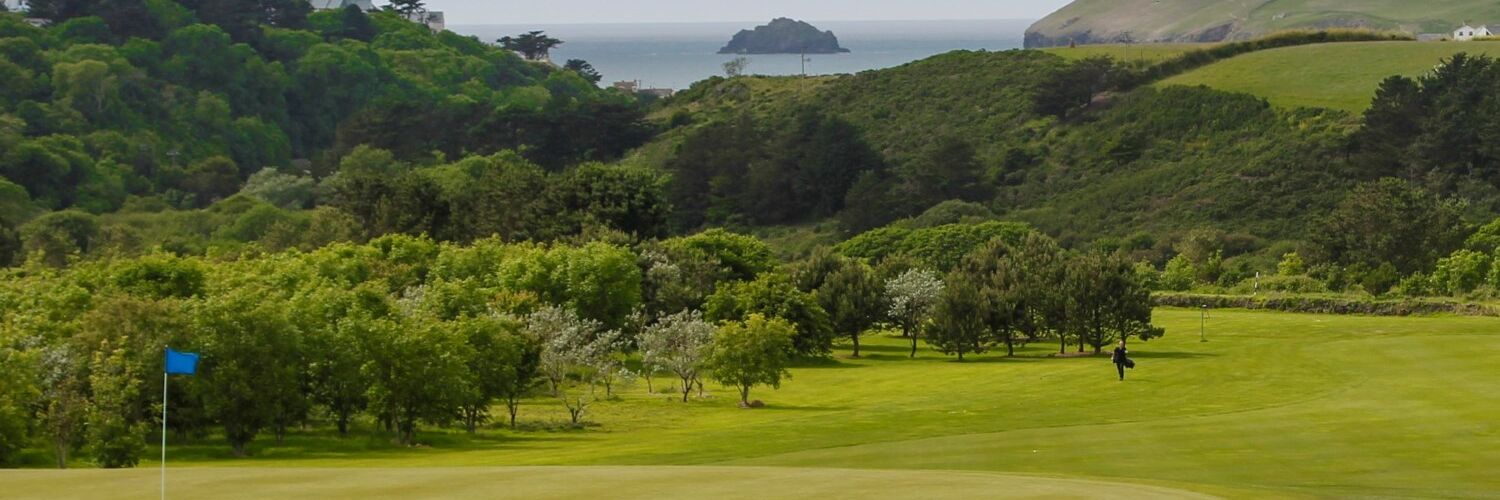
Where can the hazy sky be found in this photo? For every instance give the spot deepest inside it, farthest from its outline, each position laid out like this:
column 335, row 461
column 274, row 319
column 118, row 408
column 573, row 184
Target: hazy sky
column 636, row 11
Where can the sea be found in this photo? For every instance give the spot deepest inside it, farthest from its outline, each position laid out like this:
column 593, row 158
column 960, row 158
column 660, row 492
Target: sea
column 675, row 55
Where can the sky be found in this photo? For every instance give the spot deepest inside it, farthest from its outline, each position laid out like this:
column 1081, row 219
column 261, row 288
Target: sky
column 651, row 11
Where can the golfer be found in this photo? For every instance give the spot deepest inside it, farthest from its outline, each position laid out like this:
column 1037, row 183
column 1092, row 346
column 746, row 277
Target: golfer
column 1121, row 359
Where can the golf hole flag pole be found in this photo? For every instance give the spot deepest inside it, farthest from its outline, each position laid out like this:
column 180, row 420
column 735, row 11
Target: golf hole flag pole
column 178, row 363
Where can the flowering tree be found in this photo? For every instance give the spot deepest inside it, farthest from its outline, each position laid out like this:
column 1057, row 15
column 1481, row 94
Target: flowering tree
column 912, row 296
column 678, row 343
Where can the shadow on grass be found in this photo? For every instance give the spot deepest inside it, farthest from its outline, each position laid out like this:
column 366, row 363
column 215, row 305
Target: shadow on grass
column 823, row 363
column 1174, row 355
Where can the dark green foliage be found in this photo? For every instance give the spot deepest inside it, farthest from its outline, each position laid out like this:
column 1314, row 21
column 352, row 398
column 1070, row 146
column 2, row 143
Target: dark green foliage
column 957, row 325
column 584, row 69
column 1390, row 222
column 534, row 45
column 785, row 170
column 853, row 298
column 1435, row 131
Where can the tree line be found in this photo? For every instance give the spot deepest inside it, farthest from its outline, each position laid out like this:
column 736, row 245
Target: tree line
column 403, row 333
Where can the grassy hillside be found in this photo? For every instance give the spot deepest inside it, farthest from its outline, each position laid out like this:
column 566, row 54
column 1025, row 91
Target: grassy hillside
column 1108, row 21
column 1273, row 405
column 1338, row 75
column 1112, row 171
column 1150, row 53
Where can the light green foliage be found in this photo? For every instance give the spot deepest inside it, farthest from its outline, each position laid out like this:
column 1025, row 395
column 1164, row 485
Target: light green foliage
column 1179, row 275
column 751, row 353
column 1291, row 265
column 1462, row 272
column 774, row 296
column 417, row 372
column 18, row 391
column 251, row 360
column 738, row 257
column 116, row 436
column 599, row 281
column 940, row 247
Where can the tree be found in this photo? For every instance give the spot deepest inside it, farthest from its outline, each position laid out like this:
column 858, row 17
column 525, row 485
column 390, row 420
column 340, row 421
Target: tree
column 354, row 24
column 736, row 67
column 911, row 297
column 1109, row 301
column 751, row 353
column 773, row 295
column 569, row 345
column 66, row 401
column 1390, row 222
column 678, row 343
column 958, row 325
column 251, row 362
column 18, row 391
column 417, row 372
column 534, row 45
column 523, row 375
column 852, row 298
column 116, row 438
column 407, row 7
column 584, row 69
column 495, row 349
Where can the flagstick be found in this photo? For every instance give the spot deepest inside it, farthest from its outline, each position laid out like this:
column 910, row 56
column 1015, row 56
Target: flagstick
column 163, row 435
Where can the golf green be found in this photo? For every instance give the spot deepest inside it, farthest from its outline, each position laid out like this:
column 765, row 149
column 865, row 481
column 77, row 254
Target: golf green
column 1272, row 405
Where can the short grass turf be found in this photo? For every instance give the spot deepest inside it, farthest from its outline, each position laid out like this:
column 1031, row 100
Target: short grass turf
column 1333, row 75
column 1273, row 405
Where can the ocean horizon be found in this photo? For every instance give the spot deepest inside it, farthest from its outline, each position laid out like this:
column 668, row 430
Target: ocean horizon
column 675, row 55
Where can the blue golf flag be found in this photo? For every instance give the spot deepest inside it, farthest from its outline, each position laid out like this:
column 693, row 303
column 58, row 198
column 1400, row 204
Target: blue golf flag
column 181, row 363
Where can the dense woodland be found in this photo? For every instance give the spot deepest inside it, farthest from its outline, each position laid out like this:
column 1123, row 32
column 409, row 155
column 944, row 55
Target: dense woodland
column 314, row 199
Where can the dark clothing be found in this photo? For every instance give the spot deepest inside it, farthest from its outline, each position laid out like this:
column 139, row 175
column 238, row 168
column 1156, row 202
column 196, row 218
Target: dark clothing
column 1120, row 357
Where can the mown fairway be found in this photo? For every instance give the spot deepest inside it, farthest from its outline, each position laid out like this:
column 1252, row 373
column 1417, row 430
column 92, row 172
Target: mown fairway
column 1274, row 405
column 1333, row 75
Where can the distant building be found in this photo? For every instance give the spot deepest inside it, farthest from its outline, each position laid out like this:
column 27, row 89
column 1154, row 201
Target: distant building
column 1467, row 33
column 634, row 87
column 365, row 5
column 628, row 86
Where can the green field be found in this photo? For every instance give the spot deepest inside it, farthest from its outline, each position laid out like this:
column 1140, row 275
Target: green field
column 1173, row 20
column 1273, row 405
column 1335, row 75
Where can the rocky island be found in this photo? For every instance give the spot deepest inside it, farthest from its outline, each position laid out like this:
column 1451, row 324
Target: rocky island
column 784, row 36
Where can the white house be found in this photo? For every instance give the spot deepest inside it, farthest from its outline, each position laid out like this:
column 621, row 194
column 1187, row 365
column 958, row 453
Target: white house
column 1467, row 33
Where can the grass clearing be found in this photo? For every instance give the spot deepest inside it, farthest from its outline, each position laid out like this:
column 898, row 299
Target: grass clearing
column 1332, row 75
column 1273, row 405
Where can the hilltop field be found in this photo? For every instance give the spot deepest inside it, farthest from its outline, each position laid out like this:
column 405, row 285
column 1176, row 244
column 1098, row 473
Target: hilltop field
column 1272, row 405
column 1109, row 21
column 1333, row 75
